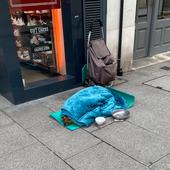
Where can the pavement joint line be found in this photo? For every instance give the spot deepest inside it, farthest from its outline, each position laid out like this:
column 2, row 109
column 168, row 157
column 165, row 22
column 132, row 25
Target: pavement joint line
column 138, row 127
column 18, row 149
column 103, row 127
column 51, row 150
column 150, row 131
column 151, row 64
column 46, row 145
column 159, row 159
column 83, row 151
column 53, row 110
column 155, row 78
column 95, row 131
column 39, row 140
column 142, row 127
column 5, row 108
column 48, row 107
column 164, row 75
column 157, row 88
column 128, row 122
column 117, row 149
column 80, row 152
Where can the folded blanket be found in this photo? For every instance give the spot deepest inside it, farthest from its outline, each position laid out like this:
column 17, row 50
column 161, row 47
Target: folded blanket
column 89, row 103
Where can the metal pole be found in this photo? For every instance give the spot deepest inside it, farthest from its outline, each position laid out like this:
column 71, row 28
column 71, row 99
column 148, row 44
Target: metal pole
column 119, row 69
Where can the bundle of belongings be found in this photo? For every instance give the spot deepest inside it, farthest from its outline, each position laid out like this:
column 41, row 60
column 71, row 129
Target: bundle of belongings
column 83, row 107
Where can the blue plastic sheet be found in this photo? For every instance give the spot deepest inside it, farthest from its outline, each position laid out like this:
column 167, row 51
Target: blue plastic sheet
column 89, row 103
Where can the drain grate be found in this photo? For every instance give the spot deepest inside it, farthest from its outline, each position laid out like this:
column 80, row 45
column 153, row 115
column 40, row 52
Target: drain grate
column 165, row 68
column 162, row 83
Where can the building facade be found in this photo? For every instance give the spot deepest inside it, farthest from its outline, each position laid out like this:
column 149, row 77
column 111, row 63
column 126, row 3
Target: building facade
column 43, row 43
column 146, row 29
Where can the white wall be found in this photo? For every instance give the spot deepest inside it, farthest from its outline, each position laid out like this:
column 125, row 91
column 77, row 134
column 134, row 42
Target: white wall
column 128, row 37
column 113, row 7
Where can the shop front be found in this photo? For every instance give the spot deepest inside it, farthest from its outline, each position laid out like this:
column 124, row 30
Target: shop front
column 152, row 27
column 35, row 61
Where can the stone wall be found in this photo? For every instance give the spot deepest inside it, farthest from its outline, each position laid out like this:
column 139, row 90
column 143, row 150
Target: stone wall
column 128, row 37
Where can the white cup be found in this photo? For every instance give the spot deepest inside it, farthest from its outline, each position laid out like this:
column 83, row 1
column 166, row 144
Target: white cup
column 100, row 120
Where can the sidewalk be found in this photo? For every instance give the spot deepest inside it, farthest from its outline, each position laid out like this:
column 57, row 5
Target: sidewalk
column 31, row 140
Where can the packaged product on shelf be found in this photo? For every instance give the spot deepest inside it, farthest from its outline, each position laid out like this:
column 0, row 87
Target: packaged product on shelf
column 33, row 35
column 24, row 54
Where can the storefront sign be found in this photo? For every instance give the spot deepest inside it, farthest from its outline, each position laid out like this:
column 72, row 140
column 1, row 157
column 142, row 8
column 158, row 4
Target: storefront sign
column 40, row 39
column 42, row 49
column 39, row 30
column 34, row 4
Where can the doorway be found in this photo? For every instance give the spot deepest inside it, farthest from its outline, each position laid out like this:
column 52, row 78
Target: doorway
column 152, row 28
column 160, row 40
column 143, row 27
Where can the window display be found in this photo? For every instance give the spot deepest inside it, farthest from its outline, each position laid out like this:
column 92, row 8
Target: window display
column 33, row 32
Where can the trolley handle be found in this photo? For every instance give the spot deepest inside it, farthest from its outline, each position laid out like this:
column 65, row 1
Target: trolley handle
column 89, row 36
column 91, row 29
column 93, row 22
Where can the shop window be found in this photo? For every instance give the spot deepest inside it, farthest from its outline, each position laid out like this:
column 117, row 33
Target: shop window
column 164, row 9
column 35, row 37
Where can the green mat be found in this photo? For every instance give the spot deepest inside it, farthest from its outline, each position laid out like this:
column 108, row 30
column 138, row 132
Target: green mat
column 57, row 116
column 84, row 73
column 130, row 99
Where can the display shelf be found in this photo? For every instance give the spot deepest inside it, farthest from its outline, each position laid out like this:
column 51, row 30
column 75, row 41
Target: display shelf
column 36, row 41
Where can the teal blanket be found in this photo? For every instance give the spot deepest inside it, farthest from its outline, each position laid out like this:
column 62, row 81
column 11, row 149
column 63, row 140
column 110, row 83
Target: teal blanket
column 89, row 103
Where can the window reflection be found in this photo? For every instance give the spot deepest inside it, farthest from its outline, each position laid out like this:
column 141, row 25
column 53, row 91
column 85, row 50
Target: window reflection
column 142, row 10
column 164, row 9
column 142, row 4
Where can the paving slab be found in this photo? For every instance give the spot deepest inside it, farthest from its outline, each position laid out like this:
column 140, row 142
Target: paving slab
column 5, row 121
column 163, row 164
column 149, row 98
column 136, row 142
column 33, row 157
column 63, row 142
column 53, row 103
column 162, row 83
column 27, row 115
column 141, row 75
column 151, row 109
column 142, row 92
column 150, row 105
column 155, row 119
column 104, row 157
column 150, row 61
column 12, row 138
column 56, row 101
column 4, row 103
column 155, row 68
column 42, row 128
column 94, row 126
column 118, row 81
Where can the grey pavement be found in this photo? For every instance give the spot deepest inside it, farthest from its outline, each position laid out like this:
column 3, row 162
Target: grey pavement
column 31, row 140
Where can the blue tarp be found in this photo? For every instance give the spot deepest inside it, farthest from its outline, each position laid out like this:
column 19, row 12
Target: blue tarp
column 89, row 103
